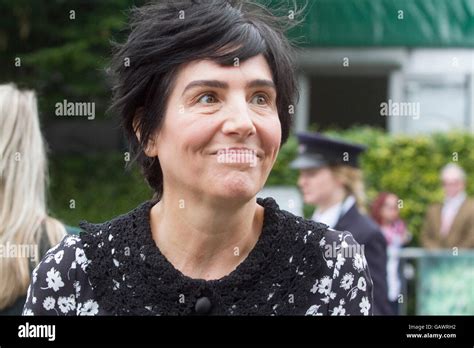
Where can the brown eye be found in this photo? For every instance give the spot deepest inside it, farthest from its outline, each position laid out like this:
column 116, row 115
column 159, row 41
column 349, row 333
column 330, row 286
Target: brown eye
column 207, row 99
column 260, row 99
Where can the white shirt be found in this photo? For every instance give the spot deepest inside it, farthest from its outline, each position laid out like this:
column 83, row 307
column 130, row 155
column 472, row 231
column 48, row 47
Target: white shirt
column 331, row 216
column 449, row 211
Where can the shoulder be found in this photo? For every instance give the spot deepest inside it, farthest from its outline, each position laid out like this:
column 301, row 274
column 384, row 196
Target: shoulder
column 57, row 280
column 344, row 285
column 339, row 238
column 341, row 245
column 124, row 226
column 312, row 234
column 68, row 252
column 105, row 243
column 304, row 233
column 113, row 242
column 329, row 245
column 59, row 267
column 332, row 263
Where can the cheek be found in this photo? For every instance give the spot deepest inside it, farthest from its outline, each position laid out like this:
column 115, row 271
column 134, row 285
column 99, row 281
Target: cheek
column 316, row 186
column 270, row 135
column 185, row 132
column 275, row 127
column 322, row 184
column 311, row 185
column 196, row 136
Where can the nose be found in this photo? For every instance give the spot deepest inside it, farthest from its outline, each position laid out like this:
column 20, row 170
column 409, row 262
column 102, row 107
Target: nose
column 239, row 120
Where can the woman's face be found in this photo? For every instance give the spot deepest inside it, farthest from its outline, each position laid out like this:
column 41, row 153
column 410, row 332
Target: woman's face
column 318, row 185
column 221, row 133
column 389, row 211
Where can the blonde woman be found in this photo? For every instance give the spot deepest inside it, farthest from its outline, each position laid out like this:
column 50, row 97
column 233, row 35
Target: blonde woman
column 26, row 230
column 330, row 178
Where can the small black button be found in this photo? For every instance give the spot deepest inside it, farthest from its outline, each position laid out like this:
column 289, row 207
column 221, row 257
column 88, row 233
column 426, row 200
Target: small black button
column 203, row 305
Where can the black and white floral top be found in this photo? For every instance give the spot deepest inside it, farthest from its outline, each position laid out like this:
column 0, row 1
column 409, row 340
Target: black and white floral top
column 297, row 267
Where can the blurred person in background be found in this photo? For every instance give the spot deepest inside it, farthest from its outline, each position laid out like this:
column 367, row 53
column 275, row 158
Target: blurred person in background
column 25, row 226
column 330, row 178
column 385, row 212
column 450, row 224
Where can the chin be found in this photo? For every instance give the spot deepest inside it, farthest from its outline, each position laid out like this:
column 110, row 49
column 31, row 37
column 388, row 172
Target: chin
column 236, row 187
column 310, row 200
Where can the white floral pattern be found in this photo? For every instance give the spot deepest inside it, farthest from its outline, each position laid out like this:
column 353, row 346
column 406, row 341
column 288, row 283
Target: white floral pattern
column 89, row 308
column 341, row 295
column 58, row 256
column 313, row 310
column 54, row 279
column 49, row 303
column 347, row 281
column 67, row 304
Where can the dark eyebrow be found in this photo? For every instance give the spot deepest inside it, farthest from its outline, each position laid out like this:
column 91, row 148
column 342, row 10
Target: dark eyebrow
column 206, row 83
column 225, row 85
column 261, row 83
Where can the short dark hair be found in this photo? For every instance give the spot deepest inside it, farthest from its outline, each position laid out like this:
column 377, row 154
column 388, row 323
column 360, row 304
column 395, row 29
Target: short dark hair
column 168, row 33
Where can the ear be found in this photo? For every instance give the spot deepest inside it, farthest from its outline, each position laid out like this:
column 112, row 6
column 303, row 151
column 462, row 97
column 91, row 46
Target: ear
column 150, row 149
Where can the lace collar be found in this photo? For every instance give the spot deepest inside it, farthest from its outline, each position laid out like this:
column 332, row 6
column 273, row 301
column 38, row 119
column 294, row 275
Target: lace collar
column 131, row 276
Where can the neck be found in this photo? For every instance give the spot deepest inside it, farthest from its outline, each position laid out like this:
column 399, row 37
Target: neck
column 205, row 239
column 337, row 197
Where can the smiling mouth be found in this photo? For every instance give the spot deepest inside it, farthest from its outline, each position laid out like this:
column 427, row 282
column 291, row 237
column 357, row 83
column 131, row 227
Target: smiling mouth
column 238, row 151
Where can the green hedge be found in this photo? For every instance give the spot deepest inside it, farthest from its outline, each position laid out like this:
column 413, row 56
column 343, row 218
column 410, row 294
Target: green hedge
column 406, row 165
